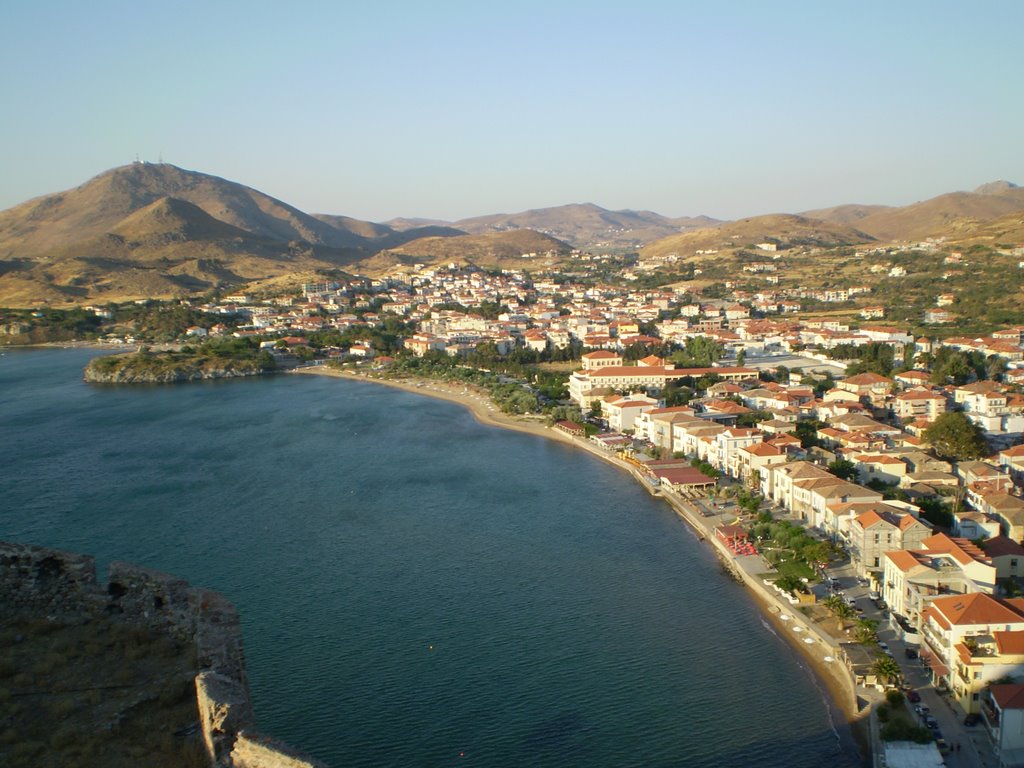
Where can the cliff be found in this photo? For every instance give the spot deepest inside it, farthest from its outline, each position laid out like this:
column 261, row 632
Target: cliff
column 60, row 585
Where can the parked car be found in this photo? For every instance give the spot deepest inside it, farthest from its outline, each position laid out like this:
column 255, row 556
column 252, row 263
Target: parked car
column 943, row 746
column 972, row 719
column 931, row 722
column 911, row 653
column 872, row 595
column 921, row 709
column 884, row 646
column 913, row 697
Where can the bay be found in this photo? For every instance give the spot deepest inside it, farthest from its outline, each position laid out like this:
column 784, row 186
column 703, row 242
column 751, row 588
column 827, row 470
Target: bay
column 416, row 589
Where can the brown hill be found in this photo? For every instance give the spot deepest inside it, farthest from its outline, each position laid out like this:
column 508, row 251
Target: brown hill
column 494, row 249
column 115, row 238
column 1006, row 231
column 402, row 224
column 169, row 220
column 100, row 204
column 784, row 230
column 364, row 229
column 587, row 225
column 850, row 214
column 944, row 215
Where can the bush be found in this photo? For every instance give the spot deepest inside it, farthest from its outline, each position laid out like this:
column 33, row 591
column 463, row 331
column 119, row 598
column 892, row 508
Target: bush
column 894, row 697
column 901, row 730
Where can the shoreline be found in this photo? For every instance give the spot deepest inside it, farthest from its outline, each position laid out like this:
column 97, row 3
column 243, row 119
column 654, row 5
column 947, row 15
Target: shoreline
column 833, row 676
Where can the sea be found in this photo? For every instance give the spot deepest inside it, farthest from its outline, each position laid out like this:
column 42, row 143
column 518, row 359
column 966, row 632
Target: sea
column 416, row 588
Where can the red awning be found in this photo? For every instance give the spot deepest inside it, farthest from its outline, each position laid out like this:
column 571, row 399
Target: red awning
column 935, row 664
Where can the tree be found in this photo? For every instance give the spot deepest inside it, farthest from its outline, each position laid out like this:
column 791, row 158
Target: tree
column 741, row 357
column 843, row 469
column 789, row 583
column 842, row 611
column 954, row 436
column 866, row 631
column 886, row 668
column 935, row 510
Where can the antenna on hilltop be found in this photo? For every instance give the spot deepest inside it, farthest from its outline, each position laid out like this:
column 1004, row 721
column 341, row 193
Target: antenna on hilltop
column 137, row 161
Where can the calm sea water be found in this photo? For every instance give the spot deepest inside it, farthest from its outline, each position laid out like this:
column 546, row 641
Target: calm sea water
column 416, row 589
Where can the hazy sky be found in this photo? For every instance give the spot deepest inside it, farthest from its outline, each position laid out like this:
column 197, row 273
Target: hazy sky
column 452, row 109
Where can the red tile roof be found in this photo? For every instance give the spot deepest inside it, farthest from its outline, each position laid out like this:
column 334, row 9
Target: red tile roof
column 975, row 608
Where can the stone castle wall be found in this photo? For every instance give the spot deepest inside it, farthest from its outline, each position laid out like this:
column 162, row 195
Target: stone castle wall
column 49, row 582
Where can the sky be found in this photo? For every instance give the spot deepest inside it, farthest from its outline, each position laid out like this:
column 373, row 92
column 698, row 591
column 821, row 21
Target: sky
column 452, row 109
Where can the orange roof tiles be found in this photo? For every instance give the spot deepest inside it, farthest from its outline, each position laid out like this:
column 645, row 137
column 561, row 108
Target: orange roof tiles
column 976, row 608
column 903, row 559
column 1009, row 642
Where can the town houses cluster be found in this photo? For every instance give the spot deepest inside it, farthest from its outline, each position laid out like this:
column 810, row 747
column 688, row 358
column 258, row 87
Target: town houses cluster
column 952, row 591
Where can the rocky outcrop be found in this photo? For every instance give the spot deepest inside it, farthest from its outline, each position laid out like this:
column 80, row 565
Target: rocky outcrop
column 50, row 582
column 144, row 368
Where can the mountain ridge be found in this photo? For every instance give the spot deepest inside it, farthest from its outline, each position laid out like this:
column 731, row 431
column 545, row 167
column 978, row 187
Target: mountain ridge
column 156, row 230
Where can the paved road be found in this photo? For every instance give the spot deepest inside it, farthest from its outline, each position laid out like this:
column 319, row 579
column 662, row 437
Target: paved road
column 975, row 748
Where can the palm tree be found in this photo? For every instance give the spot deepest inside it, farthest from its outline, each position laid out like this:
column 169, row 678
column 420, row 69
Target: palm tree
column 865, row 631
column 840, row 609
column 886, row 668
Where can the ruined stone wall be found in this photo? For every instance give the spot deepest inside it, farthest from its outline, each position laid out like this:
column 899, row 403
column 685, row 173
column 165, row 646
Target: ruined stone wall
column 45, row 581
column 49, row 582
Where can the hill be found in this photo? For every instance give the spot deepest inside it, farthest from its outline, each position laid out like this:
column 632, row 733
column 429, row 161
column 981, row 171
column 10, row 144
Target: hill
column 1005, row 232
column 363, row 229
column 942, row 216
column 116, row 238
column 783, row 230
column 496, row 249
column 850, row 214
column 93, row 208
column 587, row 225
column 382, row 236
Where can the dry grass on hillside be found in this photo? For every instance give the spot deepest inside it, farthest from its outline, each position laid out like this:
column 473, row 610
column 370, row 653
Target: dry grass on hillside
column 74, row 694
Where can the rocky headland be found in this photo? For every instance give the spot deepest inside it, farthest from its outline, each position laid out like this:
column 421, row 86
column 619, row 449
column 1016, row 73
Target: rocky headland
column 145, row 367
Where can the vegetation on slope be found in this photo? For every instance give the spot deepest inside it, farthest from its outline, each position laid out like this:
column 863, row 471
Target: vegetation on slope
column 217, row 358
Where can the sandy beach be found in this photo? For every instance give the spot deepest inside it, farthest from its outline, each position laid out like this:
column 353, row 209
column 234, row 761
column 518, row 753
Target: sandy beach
column 832, row 675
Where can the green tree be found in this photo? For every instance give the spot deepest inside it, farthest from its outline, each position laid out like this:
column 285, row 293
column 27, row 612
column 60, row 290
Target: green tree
column 865, row 631
column 954, row 436
column 844, row 469
column 886, row 669
column 840, row 609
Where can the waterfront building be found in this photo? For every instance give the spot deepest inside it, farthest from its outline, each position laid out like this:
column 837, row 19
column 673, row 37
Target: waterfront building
column 585, row 384
column 655, row 426
column 970, row 641
column 939, row 566
column 876, row 528
column 622, row 411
